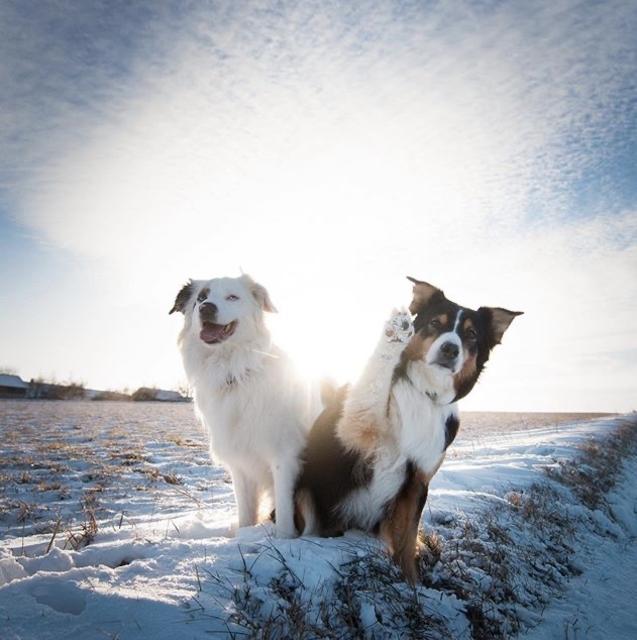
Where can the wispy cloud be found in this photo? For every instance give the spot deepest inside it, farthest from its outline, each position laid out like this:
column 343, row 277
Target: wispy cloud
column 505, row 102
column 340, row 145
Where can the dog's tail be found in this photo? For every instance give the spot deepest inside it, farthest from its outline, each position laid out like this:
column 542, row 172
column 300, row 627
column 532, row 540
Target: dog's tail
column 331, row 393
column 305, row 519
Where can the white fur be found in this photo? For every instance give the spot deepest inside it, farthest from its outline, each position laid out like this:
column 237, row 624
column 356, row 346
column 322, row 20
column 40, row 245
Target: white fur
column 450, row 336
column 254, row 407
column 414, row 426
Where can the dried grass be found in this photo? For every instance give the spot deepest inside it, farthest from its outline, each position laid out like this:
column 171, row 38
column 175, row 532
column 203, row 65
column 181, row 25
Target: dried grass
column 510, row 558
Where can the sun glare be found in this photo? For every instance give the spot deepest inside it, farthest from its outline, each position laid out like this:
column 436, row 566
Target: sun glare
column 328, row 190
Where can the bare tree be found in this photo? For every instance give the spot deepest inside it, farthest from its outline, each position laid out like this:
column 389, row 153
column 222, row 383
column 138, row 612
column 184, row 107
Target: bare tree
column 9, row 371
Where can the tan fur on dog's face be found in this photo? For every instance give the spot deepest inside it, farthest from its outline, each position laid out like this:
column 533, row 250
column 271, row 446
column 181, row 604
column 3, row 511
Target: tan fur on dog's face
column 418, row 347
column 454, row 342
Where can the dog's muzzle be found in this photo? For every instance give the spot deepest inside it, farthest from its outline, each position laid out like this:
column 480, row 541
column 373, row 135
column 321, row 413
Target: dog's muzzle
column 211, row 332
column 448, row 355
column 208, row 312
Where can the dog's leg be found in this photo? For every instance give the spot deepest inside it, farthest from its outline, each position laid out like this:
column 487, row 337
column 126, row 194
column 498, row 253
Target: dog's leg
column 247, row 496
column 284, row 473
column 400, row 528
column 365, row 414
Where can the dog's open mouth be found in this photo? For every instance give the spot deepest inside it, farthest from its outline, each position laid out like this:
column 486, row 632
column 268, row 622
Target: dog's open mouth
column 212, row 333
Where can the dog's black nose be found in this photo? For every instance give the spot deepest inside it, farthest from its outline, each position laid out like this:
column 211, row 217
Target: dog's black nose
column 449, row 350
column 208, row 311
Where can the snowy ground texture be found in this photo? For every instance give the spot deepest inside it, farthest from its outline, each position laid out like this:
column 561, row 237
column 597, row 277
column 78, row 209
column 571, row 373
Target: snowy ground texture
column 114, row 524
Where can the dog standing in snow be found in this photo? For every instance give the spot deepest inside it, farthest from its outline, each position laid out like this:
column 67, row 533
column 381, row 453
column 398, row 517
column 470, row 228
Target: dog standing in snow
column 255, row 410
column 373, row 451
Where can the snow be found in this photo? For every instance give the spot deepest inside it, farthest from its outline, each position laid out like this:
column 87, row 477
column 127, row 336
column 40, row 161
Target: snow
column 601, row 602
column 165, row 561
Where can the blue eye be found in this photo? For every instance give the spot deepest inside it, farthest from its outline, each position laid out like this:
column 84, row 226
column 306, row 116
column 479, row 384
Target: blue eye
column 232, row 297
column 202, row 296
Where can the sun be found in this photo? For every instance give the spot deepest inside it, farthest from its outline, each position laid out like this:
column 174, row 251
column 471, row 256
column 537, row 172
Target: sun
column 327, row 344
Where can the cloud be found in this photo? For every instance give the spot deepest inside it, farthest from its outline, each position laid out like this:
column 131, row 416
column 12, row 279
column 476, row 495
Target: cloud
column 331, row 149
column 479, row 108
column 456, row 113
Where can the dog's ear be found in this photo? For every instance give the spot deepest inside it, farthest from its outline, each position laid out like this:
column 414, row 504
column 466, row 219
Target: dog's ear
column 260, row 294
column 423, row 292
column 499, row 320
column 182, row 298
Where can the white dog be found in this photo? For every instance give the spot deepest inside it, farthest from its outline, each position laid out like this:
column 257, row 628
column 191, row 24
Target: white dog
column 255, row 409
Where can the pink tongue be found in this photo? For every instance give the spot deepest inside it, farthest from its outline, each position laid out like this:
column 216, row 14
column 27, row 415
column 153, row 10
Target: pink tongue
column 211, row 332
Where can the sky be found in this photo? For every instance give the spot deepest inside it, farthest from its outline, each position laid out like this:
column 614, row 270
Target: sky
column 329, row 149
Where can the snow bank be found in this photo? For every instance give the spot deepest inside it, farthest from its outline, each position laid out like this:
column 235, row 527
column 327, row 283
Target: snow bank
column 600, row 603
column 502, row 540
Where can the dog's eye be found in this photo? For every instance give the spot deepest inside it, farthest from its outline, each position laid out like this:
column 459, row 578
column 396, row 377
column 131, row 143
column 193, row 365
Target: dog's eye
column 232, row 297
column 471, row 334
column 202, row 296
column 434, row 323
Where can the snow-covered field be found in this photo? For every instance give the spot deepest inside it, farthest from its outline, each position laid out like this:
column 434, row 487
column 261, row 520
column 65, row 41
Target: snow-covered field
column 114, row 524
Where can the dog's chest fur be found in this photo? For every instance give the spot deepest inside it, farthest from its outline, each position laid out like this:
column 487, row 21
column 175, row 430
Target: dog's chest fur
column 417, row 439
column 234, row 399
column 421, row 426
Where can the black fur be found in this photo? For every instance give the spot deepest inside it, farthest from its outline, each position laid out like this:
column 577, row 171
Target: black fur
column 182, row 298
column 482, row 345
column 329, row 471
column 451, row 429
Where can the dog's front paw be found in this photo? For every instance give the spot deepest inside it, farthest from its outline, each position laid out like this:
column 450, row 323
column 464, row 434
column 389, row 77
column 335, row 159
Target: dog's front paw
column 399, row 328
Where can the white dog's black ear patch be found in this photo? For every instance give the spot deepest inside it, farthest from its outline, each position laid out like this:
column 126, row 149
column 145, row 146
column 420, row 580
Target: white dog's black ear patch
column 182, row 298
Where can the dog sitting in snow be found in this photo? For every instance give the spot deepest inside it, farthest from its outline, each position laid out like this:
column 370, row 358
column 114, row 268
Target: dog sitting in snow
column 374, row 449
column 256, row 411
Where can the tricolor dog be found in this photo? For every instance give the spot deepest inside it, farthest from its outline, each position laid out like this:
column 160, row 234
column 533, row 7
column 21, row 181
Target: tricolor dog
column 254, row 407
column 374, row 449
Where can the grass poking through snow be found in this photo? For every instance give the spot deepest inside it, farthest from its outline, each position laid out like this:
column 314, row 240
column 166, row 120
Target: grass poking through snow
column 484, row 576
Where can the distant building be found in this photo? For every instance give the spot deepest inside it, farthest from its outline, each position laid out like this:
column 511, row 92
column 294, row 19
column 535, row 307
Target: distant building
column 12, row 386
column 39, row 390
